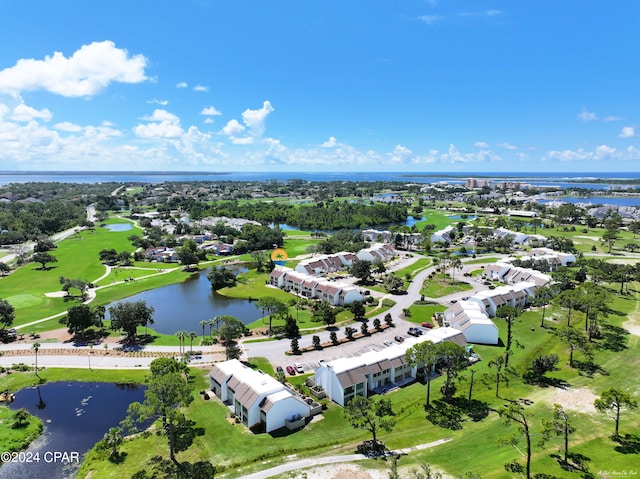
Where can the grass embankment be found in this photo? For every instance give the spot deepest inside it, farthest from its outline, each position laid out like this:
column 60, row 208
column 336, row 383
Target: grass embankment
column 16, row 436
column 474, row 446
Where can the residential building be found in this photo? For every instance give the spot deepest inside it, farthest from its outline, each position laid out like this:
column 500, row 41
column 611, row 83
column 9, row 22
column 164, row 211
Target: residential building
column 257, row 399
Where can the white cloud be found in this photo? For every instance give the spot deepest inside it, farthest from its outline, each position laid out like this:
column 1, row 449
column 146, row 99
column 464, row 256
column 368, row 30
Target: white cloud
column 200, row 88
column 628, row 132
column 208, row 120
column 611, row 118
column 87, row 72
column 23, row 112
column 586, row 115
column 182, row 84
column 210, row 110
column 481, row 13
column 481, row 144
column 400, row 153
column 601, row 153
column 254, row 119
column 330, row 143
column 247, row 140
column 430, row 19
column 161, row 115
column 232, row 128
column 162, row 124
column 507, row 146
column 67, row 126
column 158, row 102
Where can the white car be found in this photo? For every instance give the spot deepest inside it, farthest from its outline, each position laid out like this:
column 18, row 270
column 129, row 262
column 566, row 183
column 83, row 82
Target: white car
column 298, row 367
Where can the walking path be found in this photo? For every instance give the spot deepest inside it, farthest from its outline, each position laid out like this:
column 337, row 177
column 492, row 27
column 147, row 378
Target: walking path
column 320, row 461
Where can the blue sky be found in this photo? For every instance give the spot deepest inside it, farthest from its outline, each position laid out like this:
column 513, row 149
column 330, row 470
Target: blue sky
column 299, row 85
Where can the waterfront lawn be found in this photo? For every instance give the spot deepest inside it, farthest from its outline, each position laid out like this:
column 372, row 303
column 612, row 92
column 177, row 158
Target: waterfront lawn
column 295, row 245
column 252, row 285
column 435, row 288
column 18, row 438
column 435, row 217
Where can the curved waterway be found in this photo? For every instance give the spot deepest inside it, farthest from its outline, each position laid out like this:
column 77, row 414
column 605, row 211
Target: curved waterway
column 76, row 416
column 181, row 307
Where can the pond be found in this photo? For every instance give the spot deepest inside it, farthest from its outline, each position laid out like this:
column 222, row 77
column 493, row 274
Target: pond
column 118, row 227
column 76, row 416
column 181, row 307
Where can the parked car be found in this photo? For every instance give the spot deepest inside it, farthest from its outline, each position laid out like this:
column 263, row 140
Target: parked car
column 279, row 370
column 427, row 325
column 414, row 332
column 291, row 371
column 388, row 343
column 298, row 367
column 399, row 339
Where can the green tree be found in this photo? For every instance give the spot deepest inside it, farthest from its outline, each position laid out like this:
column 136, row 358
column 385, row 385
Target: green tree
column 128, row 315
column 371, row 414
column 4, row 268
column 615, row 400
column 541, row 298
column 558, row 425
column 113, row 438
column 423, row 355
column 357, row 309
column 165, row 395
column 20, row 418
column 514, row 414
column 391, row 283
column 361, row 269
column 510, row 315
column 44, row 258
column 316, row 341
column 36, row 347
column 452, row 361
column 230, row 329
column 192, row 335
column 575, row 340
column 291, row 329
column 221, row 277
column 7, row 313
column 79, row 318
column 295, row 346
column 273, row 307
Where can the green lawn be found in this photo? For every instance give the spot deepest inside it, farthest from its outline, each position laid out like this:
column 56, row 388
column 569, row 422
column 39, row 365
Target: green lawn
column 14, row 439
column 424, row 312
column 435, row 288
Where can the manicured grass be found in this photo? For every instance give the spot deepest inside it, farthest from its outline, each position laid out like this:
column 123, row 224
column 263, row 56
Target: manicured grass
column 252, row 285
column 424, row 312
column 413, row 269
column 437, row 218
column 435, row 288
column 474, row 447
column 482, row 260
column 295, row 246
column 77, row 258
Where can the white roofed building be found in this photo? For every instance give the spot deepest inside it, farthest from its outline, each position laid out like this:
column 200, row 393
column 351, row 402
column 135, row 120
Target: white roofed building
column 255, row 397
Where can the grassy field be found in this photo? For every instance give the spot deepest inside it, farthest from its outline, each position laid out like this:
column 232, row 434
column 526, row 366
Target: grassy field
column 236, row 451
column 14, row 439
column 435, row 288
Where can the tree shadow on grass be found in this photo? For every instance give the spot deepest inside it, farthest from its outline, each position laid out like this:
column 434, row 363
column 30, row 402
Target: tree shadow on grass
column 118, row 457
column 614, row 338
column 575, row 462
column 628, row 444
column 476, row 410
column 589, row 368
column 445, row 415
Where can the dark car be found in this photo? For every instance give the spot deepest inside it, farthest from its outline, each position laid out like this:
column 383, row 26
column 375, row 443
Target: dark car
column 291, row 371
column 279, row 370
column 414, row 332
column 427, row 325
column 399, row 339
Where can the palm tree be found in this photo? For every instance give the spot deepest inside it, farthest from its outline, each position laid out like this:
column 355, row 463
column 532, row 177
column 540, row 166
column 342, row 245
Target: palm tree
column 203, row 323
column 455, row 264
column 182, row 335
column 36, row 346
column 192, row 336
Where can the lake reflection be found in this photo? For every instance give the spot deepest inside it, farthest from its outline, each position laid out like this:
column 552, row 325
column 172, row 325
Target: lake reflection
column 182, row 306
column 75, row 415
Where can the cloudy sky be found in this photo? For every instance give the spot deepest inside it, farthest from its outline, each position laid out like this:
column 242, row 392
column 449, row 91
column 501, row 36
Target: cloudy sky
column 332, row 85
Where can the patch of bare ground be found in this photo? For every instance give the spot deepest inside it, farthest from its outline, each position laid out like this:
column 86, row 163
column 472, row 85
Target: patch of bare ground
column 572, row 399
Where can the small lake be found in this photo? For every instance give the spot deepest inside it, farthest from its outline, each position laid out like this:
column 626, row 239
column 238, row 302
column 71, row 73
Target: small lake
column 181, row 307
column 118, row 227
column 76, row 416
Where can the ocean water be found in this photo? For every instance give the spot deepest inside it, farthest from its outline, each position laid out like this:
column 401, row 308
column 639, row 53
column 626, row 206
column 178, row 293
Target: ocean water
column 580, row 179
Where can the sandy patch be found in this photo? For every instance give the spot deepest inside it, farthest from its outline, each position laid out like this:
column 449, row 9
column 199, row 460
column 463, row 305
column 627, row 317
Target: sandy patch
column 340, row 471
column 632, row 327
column 574, row 399
column 56, row 294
